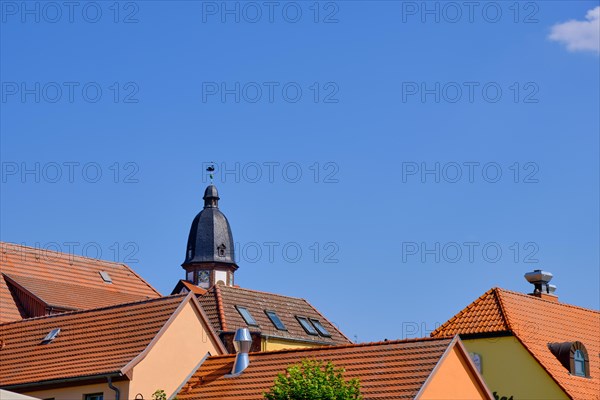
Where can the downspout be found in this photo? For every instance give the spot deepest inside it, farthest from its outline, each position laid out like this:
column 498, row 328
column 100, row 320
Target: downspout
column 113, row 387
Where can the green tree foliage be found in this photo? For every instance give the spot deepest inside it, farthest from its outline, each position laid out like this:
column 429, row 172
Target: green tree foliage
column 159, row 395
column 311, row 380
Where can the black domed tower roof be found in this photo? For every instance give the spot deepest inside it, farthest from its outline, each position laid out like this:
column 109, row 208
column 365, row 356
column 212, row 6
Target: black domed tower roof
column 209, row 256
column 210, row 238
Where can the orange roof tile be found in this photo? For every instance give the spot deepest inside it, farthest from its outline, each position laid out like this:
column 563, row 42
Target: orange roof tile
column 70, row 296
column 193, row 288
column 37, row 269
column 536, row 323
column 220, row 301
column 387, row 370
column 92, row 342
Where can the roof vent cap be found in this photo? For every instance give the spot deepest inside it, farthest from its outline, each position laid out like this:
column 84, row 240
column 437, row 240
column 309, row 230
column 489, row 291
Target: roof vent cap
column 242, row 341
column 541, row 282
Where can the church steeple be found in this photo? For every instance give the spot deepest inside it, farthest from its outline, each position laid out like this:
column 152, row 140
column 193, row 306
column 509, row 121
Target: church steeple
column 210, row 256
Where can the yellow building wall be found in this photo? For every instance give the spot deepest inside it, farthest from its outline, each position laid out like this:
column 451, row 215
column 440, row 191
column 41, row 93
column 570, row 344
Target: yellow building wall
column 78, row 392
column 452, row 379
column 270, row 344
column 510, row 370
column 174, row 356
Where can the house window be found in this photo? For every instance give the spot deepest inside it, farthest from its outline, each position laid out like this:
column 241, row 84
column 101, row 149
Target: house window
column 93, row 396
column 276, row 320
column 246, row 315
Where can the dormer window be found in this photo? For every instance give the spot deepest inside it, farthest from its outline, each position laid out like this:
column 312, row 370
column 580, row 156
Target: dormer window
column 573, row 356
column 221, row 250
column 579, row 363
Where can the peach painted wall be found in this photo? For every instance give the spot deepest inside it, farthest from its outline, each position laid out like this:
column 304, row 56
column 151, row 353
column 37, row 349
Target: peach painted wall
column 174, row 356
column 453, row 380
column 78, row 392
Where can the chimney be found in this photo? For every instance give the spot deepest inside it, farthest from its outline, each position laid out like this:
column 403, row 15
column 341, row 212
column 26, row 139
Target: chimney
column 542, row 288
column 242, row 342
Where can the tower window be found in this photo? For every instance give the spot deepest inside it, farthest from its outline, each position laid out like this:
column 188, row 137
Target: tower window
column 276, row 320
column 221, row 250
column 246, row 315
column 573, row 356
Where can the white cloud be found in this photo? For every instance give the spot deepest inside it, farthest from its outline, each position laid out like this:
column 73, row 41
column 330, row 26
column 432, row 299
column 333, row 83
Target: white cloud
column 579, row 35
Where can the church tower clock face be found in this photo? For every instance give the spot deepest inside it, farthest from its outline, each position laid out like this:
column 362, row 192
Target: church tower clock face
column 203, row 277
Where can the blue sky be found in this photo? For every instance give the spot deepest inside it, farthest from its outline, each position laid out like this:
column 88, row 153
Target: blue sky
column 388, row 161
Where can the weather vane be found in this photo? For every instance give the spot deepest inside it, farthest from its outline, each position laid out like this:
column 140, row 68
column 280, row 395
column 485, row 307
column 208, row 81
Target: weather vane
column 211, row 169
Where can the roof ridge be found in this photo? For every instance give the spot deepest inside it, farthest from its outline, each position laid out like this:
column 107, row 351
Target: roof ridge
column 263, row 292
column 114, row 306
column 503, row 313
column 220, row 308
column 527, row 296
column 341, row 346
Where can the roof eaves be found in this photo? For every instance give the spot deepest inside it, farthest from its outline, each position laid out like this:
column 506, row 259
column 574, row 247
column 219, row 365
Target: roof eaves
column 60, row 381
column 336, row 347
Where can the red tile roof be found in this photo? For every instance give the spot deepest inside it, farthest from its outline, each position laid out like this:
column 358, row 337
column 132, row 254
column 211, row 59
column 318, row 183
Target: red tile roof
column 536, row 323
column 91, row 342
column 220, row 301
column 386, row 370
column 187, row 287
column 69, row 296
column 60, row 278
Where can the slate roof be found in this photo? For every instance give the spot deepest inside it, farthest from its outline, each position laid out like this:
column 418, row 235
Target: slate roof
column 387, row 370
column 220, row 303
column 536, row 322
column 63, row 281
column 92, row 342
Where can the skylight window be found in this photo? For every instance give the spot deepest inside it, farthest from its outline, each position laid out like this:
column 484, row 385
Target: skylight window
column 276, row 320
column 246, row 315
column 105, row 277
column 320, row 328
column 51, row 336
column 307, row 325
